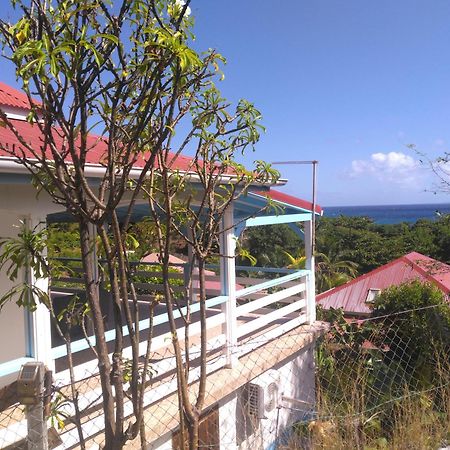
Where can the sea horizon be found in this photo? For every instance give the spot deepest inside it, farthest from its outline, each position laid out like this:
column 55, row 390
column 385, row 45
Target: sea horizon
column 391, row 214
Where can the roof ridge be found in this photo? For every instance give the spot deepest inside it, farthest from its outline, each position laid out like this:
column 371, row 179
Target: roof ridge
column 429, row 276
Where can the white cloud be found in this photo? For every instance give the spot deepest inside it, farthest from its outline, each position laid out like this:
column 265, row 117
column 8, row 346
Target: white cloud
column 393, row 167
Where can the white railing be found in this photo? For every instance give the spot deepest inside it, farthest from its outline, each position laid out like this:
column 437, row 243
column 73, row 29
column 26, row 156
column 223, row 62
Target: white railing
column 279, row 304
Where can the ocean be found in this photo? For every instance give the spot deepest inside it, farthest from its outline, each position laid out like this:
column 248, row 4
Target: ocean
column 387, row 214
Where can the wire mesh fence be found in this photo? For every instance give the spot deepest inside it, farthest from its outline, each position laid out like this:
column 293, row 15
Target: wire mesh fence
column 382, row 382
column 372, row 383
column 12, row 418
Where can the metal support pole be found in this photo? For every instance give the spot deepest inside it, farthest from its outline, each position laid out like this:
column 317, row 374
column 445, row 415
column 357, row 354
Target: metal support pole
column 310, row 241
column 228, row 284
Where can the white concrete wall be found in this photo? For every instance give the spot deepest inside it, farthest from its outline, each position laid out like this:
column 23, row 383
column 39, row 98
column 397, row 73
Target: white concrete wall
column 239, row 431
column 296, row 380
column 19, row 202
column 12, row 318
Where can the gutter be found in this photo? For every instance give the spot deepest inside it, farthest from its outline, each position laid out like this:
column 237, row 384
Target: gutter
column 10, row 165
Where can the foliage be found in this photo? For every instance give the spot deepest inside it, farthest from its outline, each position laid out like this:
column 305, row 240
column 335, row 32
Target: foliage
column 332, row 270
column 128, row 70
column 426, row 329
column 386, row 378
column 370, row 245
column 267, row 244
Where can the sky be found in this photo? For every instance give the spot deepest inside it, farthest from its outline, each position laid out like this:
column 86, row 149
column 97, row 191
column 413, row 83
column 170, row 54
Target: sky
column 350, row 83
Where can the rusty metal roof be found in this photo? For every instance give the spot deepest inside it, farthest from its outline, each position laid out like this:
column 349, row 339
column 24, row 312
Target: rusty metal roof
column 351, row 297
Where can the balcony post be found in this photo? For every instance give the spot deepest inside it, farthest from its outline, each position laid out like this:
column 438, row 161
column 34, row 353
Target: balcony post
column 310, row 282
column 228, row 284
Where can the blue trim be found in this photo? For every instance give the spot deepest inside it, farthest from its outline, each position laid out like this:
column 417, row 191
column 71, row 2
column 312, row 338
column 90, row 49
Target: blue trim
column 239, row 228
column 13, row 366
column 273, row 220
column 82, row 344
column 15, row 178
column 294, row 227
column 287, row 205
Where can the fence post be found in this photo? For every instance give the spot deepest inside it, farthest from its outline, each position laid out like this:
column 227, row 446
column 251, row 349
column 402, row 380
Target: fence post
column 31, row 391
column 311, row 281
column 228, row 284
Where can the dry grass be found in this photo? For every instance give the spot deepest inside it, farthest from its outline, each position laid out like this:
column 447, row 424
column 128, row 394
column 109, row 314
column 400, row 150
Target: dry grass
column 412, row 421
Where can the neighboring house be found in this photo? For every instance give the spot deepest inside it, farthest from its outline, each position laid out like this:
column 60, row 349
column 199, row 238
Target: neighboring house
column 260, row 337
column 356, row 296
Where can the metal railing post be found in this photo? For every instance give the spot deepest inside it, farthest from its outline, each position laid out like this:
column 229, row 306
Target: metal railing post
column 311, row 282
column 228, row 284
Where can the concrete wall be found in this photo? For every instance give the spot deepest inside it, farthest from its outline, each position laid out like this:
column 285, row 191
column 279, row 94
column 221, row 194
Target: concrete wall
column 19, row 201
column 238, row 430
column 295, row 379
column 12, row 318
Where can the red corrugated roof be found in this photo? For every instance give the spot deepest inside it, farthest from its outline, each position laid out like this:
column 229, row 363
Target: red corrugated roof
column 32, row 134
column 290, row 200
column 351, row 297
column 13, row 97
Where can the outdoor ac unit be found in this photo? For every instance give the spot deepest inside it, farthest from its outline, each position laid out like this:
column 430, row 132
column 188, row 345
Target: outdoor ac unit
column 263, row 394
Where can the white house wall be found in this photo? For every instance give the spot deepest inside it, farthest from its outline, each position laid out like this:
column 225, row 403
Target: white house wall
column 296, row 381
column 18, row 337
column 238, row 431
column 12, row 318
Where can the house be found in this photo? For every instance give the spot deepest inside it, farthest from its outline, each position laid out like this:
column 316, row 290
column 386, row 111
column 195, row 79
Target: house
column 356, row 296
column 261, row 328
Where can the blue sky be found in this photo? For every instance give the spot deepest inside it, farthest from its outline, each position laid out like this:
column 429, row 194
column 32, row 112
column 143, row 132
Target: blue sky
column 349, row 83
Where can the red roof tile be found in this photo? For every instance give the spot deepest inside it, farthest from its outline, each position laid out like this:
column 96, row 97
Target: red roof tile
column 351, row 297
column 290, row 200
column 13, row 97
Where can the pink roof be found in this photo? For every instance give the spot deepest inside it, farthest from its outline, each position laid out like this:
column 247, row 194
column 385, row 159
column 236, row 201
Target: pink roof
column 290, row 200
column 351, row 296
column 210, row 285
column 154, row 258
column 13, row 97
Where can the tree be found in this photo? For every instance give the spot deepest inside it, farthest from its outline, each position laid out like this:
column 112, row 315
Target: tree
column 416, row 320
column 126, row 70
column 332, row 270
column 267, row 244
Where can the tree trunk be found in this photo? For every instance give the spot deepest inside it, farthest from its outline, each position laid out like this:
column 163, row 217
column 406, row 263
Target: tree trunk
column 104, row 365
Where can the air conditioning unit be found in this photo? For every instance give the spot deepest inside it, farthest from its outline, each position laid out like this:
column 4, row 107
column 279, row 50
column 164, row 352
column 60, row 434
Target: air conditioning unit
column 263, row 395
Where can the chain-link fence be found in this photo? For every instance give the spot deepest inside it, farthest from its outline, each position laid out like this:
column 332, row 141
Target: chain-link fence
column 382, row 382
column 365, row 384
column 13, row 426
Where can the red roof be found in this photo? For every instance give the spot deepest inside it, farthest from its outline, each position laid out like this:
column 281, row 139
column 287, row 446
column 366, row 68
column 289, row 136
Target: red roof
column 290, row 200
column 32, row 134
column 351, row 297
column 98, row 146
column 13, row 97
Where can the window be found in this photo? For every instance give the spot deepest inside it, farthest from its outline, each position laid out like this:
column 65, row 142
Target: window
column 372, row 294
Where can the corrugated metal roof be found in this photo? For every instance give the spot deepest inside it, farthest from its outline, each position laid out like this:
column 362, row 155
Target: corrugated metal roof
column 290, row 200
column 351, row 297
column 13, row 97
column 32, row 135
